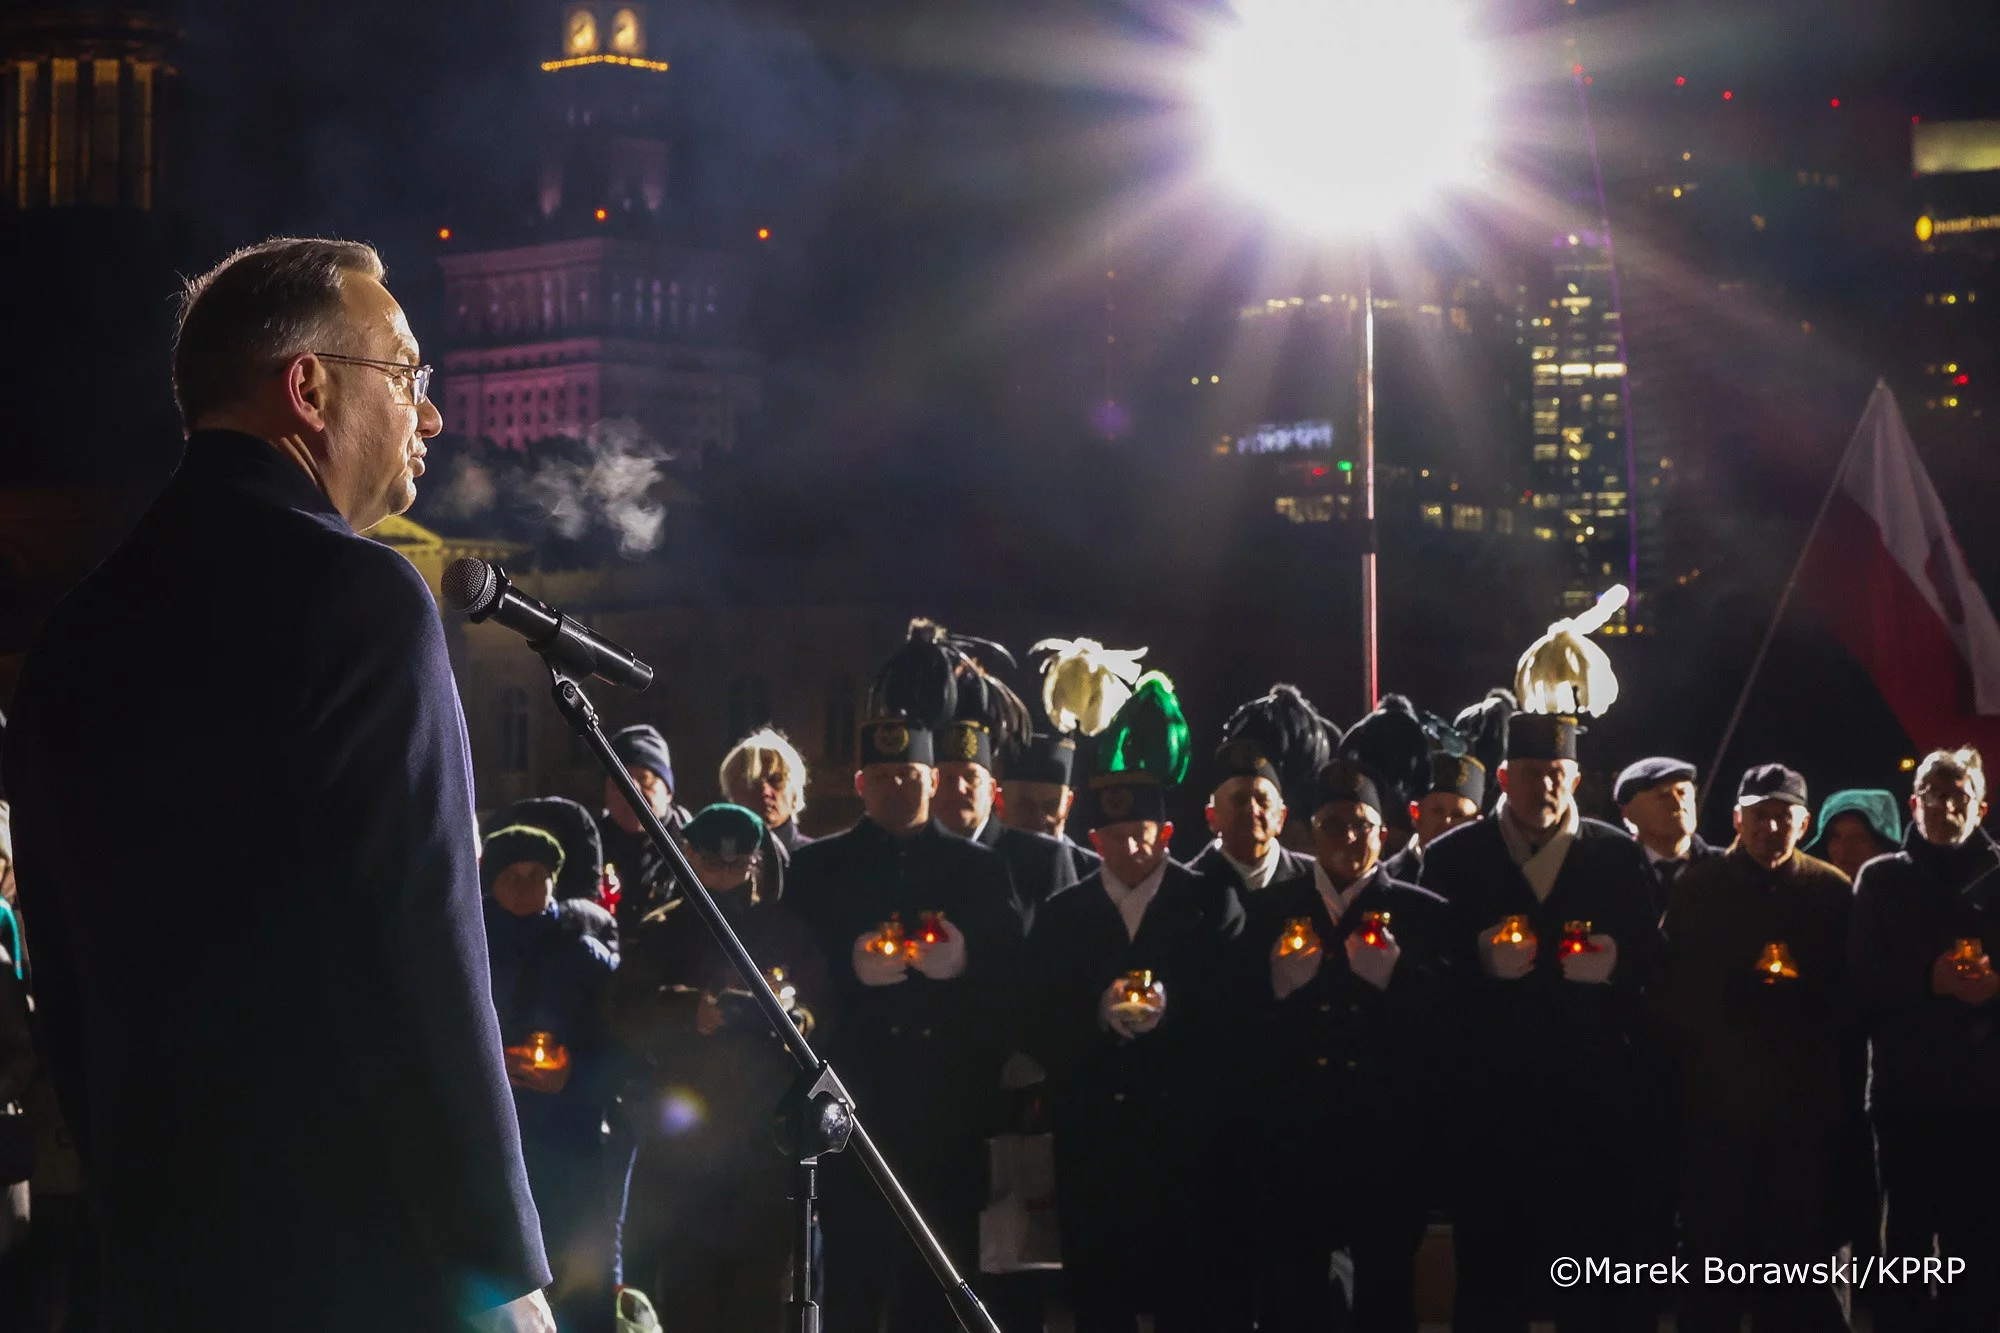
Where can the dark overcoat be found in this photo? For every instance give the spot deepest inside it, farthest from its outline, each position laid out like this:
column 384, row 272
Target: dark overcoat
column 244, row 819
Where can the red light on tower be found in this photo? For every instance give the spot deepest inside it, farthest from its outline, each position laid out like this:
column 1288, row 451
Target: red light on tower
column 444, row 233
column 1576, row 69
column 1962, row 379
column 1728, row 96
column 602, row 214
column 1680, row 80
column 1834, row 103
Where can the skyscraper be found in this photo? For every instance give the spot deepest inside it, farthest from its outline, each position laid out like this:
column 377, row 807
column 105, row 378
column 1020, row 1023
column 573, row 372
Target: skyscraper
column 1582, row 456
column 599, row 310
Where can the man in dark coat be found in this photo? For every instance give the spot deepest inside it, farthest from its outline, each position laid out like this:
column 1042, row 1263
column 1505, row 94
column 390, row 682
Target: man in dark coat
column 1246, row 812
column 1551, row 1086
column 1456, row 793
column 643, row 873
column 549, row 980
column 1926, row 922
column 266, row 1001
column 1039, row 866
column 1347, row 1075
column 922, row 1034
column 1130, row 1076
column 1656, row 798
column 707, row 1232
column 1757, row 1001
column 1036, row 795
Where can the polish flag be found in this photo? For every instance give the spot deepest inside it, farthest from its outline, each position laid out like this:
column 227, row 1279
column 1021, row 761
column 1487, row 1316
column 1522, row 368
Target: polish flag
column 1887, row 572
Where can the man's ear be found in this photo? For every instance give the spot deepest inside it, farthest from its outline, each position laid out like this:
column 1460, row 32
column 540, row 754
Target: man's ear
column 930, row 780
column 1501, row 773
column 308, row 388
column 1415, row 807
column 857, row 782
column 1208, row 813
column 1096, row 842
column 1166, row 832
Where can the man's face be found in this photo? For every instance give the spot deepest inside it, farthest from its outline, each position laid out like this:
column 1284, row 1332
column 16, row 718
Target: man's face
column 767, row 795
column 658, row 795
column 1539, row 791
column 1663, row 814
column 964, row 797
column 720, row 874
column 1036, row 807
column 1769, row 830
column 525, row 888
column 372, row 447
column 1439, row 813
column 1851, row 844
column 1132, row 850
column 1946, row 809
column 1248, row 814
column 1347, row 840
column 897, row 796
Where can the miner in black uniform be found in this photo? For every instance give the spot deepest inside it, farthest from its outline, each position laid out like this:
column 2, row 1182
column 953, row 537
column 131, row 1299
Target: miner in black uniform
column 1553, row 938
column 642, row 870
column 1036, row 795
column 1038, row 865
column 1657, row 799
column 1756, row 997
column 1129, row 974
column 708, row 1233
column 922, row 1034
column 1257, row 771
column 1926, row 925
column 1350, row 1016
column 1456, row 792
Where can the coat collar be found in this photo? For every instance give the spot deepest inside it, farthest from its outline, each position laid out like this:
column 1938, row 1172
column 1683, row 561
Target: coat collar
column 256, row 468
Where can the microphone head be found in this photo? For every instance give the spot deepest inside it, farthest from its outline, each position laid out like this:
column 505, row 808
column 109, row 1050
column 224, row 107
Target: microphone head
column 470, row 584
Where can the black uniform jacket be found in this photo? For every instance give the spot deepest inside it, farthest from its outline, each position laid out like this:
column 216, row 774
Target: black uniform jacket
column 1339, row 1057
column 1291, row 867
column 1132, row 1117
column 922, row 1057
column 1080, row 946
column 1926, row 1051
column 1543, row 1039
column 1039, row 866
column 244, row 817
column 1754, row 1047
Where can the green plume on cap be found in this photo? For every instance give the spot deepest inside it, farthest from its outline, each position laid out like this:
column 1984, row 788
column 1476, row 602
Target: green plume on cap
column 1148, row 736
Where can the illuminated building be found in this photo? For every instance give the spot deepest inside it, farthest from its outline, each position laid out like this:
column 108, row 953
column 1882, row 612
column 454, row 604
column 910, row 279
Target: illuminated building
column 1581, row 451
column 599, row 311
column 84, row 94
column 1951, row 324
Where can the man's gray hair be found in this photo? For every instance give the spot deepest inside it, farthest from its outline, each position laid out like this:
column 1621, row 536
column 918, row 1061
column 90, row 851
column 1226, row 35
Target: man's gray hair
column 255, row 310
column 1963, row 764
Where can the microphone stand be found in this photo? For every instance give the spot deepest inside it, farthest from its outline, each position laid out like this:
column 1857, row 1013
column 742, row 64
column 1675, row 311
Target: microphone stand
column 817, row 1115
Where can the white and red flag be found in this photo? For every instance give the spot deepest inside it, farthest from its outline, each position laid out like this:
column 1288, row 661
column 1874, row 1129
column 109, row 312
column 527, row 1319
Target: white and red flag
column 1887, row 572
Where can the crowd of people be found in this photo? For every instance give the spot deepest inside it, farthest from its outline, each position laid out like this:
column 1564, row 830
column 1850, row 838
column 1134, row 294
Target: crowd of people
column 299, row 1060
column 1404, row 981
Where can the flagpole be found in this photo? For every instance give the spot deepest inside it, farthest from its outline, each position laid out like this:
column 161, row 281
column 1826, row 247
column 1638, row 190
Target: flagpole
column 1784, row 600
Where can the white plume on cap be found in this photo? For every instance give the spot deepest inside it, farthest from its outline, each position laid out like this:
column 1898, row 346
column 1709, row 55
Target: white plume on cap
column 1563, row 672
column 1084, row 683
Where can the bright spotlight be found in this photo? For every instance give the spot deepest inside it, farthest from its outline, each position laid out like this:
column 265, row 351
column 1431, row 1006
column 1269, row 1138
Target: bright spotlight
column 1341, row 115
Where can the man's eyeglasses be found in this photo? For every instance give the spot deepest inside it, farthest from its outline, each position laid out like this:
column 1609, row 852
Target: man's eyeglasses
column 417, row 377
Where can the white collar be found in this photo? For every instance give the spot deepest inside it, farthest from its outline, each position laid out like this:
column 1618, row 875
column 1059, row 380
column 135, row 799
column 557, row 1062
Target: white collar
column 1132, row 900
column 1653, row 858
column 1255, row 874
column 1338, row 900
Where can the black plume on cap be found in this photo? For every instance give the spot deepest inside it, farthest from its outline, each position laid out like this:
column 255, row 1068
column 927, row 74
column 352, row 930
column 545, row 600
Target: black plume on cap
column 1484, row 727
column 1393, row 743
column 936, row 677
column 1290, row 734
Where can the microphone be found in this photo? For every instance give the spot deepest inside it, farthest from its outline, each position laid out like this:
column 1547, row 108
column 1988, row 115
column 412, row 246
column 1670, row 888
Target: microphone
column 484, row 593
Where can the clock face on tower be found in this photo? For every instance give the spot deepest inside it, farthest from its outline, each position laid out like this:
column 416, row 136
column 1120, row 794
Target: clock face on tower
column 627, row 39
column 580, row 33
